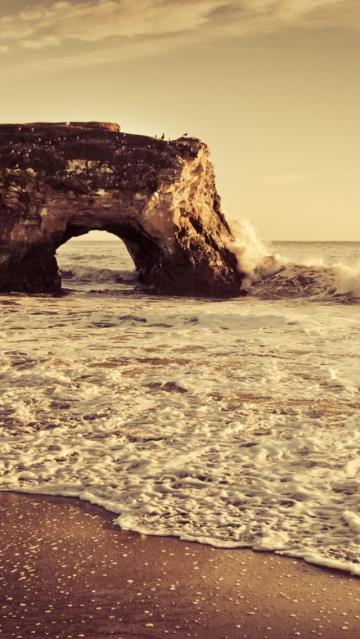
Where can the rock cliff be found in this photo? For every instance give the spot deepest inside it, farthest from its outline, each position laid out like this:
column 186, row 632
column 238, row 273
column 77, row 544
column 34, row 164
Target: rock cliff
column 62, row 180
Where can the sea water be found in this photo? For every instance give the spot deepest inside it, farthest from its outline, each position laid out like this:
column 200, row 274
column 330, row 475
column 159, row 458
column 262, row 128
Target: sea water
column 233, row 423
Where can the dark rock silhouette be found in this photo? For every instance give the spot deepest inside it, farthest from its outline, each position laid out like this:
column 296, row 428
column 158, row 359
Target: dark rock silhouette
column 62, row 180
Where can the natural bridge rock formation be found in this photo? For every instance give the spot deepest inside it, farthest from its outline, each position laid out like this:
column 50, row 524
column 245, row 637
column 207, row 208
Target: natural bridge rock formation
column 58, row 181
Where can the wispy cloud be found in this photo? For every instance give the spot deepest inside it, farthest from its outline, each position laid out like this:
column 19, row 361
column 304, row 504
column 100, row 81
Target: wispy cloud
column 117, row 25
column 104, row 19
column 42, row 42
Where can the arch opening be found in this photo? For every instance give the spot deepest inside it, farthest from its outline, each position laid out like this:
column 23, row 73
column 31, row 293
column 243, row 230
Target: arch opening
column 95, row 260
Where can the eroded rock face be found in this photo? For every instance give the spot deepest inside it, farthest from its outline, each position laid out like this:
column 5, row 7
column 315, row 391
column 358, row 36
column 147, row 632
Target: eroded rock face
column 62, row 180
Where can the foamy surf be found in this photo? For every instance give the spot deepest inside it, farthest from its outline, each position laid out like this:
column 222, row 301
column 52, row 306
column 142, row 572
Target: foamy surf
column 88, row 274
column 270, row 275
column 338, row 283
column 232, row 423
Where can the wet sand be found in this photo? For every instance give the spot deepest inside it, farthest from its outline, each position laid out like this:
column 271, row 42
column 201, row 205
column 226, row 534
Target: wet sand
column 66, row 571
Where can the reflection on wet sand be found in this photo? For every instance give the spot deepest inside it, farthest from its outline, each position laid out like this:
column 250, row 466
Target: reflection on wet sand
column 67, row 573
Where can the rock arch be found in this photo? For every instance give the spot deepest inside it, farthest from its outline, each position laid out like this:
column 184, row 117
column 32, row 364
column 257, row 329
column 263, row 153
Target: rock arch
column 58, row 181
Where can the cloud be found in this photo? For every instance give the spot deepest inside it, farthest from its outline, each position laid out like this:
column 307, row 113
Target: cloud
column 4, row 49
column 117, row 26
column 43, row 42
column 104, row 19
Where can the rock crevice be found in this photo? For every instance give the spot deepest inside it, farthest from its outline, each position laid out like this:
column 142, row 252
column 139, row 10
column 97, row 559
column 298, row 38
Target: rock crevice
column 58, row 181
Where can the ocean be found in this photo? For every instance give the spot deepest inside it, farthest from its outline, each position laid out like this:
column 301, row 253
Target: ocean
column 228, row 422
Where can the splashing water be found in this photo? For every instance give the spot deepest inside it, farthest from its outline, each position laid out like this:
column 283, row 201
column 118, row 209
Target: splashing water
column 270, row 275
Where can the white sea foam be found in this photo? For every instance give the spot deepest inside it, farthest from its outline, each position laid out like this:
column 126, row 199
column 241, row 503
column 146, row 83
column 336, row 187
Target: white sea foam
column 271, row 275
column 233, row 423
column 250, row 251
column 93, row 275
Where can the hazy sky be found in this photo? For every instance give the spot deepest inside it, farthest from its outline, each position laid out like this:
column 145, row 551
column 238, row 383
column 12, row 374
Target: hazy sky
column 273, row 86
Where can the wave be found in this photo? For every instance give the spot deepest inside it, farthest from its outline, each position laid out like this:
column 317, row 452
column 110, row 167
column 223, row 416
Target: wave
column 271, row 276
column 336, row 283
column 268, row 275
column 89, row 274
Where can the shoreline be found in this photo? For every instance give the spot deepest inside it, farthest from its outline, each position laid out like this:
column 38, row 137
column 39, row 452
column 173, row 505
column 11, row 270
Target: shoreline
column 67, row 572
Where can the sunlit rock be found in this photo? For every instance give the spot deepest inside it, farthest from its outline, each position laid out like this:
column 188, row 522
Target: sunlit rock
column 58, row 181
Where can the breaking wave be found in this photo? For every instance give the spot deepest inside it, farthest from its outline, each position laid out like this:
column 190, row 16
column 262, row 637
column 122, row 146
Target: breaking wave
column 269, row 274
column 88, row 274
column 272, row 276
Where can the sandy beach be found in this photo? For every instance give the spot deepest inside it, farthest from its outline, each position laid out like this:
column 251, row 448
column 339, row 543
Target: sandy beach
column 67, row 572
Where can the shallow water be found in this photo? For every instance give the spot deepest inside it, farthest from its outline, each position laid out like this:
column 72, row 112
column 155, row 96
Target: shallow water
column 234, row 423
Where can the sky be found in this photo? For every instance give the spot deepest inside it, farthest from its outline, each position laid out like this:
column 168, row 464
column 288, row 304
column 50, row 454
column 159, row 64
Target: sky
column 272, row 86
